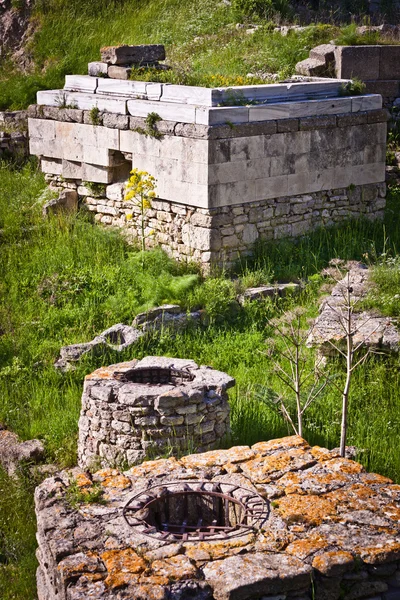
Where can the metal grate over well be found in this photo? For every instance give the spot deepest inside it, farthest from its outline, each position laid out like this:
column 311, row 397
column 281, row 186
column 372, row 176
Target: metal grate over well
column 196, row 511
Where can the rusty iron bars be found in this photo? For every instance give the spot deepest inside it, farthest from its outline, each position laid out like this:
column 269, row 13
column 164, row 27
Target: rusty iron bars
column 207, row 510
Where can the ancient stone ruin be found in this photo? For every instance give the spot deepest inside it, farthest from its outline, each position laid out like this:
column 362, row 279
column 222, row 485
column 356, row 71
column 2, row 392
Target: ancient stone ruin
column 280, row 520
column 233, row 165
column 153, row 407
column 377, row 65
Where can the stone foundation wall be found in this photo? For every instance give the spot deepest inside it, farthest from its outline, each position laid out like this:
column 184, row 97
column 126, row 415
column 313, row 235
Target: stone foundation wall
column 222, row 235
column 123, row 422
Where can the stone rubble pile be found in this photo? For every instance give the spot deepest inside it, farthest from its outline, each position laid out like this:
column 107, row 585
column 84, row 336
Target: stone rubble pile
column 117, row 61
column 378, row 333
column 377, row 66
column 332, row 532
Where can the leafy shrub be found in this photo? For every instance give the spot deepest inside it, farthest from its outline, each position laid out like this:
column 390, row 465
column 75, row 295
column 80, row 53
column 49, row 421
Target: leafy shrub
column 356, row 87
column 218, row 296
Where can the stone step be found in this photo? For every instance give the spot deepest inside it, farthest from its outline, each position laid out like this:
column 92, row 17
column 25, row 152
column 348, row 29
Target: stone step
column 312, row 67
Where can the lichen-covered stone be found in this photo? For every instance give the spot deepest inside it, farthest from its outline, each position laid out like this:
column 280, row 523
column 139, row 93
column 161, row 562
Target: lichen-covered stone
column 326, row 517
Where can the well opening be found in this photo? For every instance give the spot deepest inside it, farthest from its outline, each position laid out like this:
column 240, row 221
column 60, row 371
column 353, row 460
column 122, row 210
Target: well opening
column 194, row 511
column 157, row 376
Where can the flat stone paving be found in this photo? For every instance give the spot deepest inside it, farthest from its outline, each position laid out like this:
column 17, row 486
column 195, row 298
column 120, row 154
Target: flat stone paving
column 330, row 522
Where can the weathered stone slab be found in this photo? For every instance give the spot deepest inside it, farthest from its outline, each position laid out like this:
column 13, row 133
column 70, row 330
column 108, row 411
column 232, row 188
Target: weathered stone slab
column 84, row 101
column 285, row 110
column 80, row 83
column 170, row 112
column 219, row 116
column 389, row 66
column 13, row 452
column 97, row 68
column 374, row 332
column 134, row 89
column 357, row 61
column 186, row 94
column 128, row 55
column 361, row 103
column 254, row 575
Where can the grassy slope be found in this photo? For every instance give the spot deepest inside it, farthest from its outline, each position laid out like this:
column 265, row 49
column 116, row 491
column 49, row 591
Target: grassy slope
column 202, row 44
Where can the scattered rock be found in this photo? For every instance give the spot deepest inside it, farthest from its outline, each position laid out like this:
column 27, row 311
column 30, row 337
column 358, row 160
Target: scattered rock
column 167, row 315
column 119, row 337
column 374, row 332
column 67, row 202
column 13, row 452
column 263, row 291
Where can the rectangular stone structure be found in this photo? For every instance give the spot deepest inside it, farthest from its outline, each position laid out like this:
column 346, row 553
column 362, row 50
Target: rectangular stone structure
column 227, row 176
column 128, row 55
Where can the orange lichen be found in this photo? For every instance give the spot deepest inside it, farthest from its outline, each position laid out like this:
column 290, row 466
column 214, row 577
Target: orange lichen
column 153, row 579
column 109, row 372
column 344, row 465
column 373, row 555
column 305, row 509
column 336, row 560
column 220, row 549
column 268, row 468
column 322, row 454
column 304, row 548
column 123, row 567
column 284, row 443
column 174, row 568
column 82, row 480
column 355, row 497
column 374, row 478
column 118, row 481
column 218, row 457
column 154, row 467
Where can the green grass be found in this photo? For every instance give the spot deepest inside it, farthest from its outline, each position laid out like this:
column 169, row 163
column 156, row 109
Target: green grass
column 63, row 280
column 202, row 44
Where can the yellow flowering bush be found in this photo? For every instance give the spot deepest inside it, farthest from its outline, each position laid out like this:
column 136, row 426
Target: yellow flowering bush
column 140, row 191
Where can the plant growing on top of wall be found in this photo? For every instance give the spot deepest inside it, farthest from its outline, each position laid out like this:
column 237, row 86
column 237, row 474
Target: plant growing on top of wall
column 151, row 126
column 141, row 190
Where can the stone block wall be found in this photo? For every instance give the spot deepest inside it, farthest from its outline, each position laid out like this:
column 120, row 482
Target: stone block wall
column 123, row 421
column 13, row 135
column 223, row 188
column 273, row 172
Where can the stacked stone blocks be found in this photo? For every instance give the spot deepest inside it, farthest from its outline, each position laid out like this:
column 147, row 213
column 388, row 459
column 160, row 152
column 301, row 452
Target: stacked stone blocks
column 122, row 422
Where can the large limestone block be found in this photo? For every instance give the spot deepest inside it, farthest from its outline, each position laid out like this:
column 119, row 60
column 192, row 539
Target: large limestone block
column 83, row 101
column 307, row 108
column 111, row 87
column 325, row 52
column 357, row 61
column 311, row 67
column 51, row 166
column 221, row 115
column 80, row 83
column 128, row 55
column 97, row 68
column 187, row 94
column 389, row 66
column 42, row 129
column 184, row 113
column 96, row 173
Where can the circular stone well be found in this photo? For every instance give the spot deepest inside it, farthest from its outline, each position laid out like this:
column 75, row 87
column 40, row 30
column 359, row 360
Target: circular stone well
column 153, row 407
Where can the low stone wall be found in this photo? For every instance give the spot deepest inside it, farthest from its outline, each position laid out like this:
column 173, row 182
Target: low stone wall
column 222, row 235
column 123, row 421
